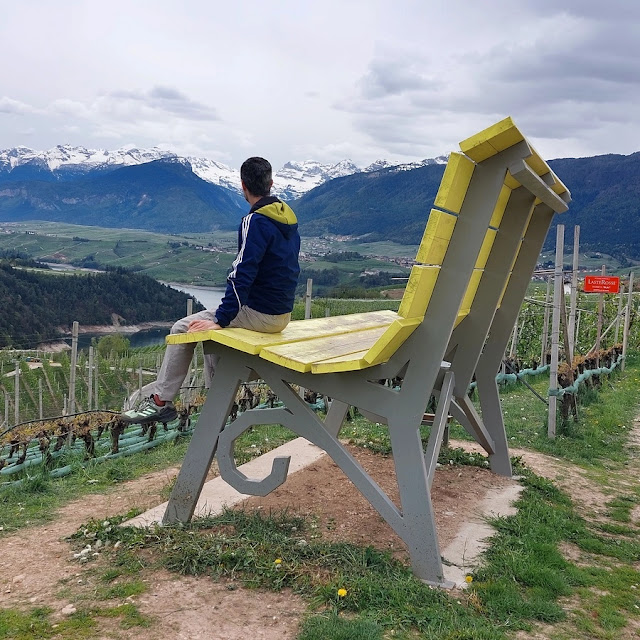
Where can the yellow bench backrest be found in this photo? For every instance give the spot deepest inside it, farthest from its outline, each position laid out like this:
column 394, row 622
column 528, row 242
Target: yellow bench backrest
column 441, row 226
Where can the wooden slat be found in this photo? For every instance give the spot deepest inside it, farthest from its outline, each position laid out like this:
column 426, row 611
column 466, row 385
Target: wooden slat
column 391, row 340
column 485, row 249
column 350, row 362
column 416, row 297
column 472, row 288
column 299, row 356
column 454, row 183
column 299, row 330
column 501, row 205
column 492, row 140
column 436, row 237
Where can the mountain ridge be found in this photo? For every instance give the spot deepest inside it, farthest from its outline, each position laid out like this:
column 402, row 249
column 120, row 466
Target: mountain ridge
column 67, row 163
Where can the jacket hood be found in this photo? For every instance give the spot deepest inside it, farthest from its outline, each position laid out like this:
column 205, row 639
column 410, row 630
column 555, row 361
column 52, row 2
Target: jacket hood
column 273, row 208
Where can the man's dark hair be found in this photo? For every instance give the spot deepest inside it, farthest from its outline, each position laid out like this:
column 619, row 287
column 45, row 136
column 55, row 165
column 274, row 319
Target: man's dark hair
column 256, row 174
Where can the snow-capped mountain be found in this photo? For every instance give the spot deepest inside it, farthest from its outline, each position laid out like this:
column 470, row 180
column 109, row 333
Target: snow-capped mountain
column 64, row 162
column 380, row 165
column 296, row 178
column 67, row 156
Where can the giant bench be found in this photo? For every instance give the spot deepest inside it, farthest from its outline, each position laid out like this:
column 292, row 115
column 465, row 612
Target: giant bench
column 483, row 236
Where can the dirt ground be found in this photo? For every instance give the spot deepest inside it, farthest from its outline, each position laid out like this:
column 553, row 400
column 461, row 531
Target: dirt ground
column 37, row 566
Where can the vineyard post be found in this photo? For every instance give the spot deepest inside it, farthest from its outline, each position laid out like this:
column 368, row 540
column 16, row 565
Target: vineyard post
column 140, row 379
column 574, row 290
column 568, row 351
column 619, row 315
column 194, row 359
column 95, row 384
column 40, row 398
column 16, row 388
column 545, row 324
column 627, row 318
column 307, row 315
column 90, row 381
column 599, row 327
column 514, row 339
column 555, row 329
column 6, row 408
column 72, row 372
column 307, row 299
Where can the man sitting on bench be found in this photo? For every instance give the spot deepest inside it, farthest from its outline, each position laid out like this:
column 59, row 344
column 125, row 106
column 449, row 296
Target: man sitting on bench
column 260, row 289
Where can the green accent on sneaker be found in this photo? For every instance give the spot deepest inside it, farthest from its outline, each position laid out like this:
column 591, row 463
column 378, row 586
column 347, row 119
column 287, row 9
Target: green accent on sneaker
column 149, row 411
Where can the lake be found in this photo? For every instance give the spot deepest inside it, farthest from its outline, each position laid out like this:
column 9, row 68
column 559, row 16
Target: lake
column 210, row 297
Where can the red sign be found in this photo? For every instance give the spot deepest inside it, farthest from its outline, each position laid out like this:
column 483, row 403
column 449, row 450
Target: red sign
column 601, row 284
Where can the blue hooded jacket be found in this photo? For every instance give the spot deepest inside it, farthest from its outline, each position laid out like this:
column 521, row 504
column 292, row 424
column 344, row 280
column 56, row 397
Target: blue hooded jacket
column 265, row 272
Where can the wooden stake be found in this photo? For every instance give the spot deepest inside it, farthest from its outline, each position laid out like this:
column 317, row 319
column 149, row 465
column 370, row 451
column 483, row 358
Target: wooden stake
column 555, row 330
column 40, row 398
column 307, row 299
column 619, row 315
column 95, row 384
column 627, row 320
column 72, row 373
column 16, row 388
column 567, row 348
column 574, row 292
column 599, row 330
column 90, row 380
column 545, row 324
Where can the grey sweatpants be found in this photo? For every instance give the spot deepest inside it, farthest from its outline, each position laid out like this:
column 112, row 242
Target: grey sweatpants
column 177, row 357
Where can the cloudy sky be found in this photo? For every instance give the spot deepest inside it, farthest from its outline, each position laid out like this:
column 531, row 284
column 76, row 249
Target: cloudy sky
column 299, row 79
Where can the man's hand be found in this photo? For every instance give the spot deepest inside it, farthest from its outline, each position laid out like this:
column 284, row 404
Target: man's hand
column 203, row 325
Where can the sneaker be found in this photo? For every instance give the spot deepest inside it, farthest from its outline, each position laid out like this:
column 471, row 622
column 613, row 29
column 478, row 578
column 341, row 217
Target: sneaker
column 149, row 411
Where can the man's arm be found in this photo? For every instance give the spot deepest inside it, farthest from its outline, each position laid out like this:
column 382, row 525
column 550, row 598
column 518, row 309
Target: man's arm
column 253, row 245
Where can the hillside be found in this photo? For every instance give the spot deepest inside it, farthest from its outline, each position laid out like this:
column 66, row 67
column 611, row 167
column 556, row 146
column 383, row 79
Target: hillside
column 391, row 203
column 605, row 193
column 381, row 205
column 394, row 205
column 36, row 306
column 164, row 196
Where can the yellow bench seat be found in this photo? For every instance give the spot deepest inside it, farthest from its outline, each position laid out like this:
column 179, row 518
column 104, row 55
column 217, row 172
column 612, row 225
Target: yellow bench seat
column 253, row 342
column 320, row 345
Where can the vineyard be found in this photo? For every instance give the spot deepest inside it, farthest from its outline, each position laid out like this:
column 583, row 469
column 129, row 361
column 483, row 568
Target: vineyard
column 35, row 386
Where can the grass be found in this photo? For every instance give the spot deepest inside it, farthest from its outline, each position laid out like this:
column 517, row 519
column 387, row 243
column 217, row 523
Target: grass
column 523, row 581
column 37, row 499
column 527, row 577
column 38, row 622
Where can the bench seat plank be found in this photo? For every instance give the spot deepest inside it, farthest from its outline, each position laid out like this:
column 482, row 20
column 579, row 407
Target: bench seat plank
column 299, row 356
column 252, row 342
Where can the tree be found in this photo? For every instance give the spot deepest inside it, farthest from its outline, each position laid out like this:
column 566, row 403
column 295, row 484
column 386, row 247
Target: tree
column 113, row 344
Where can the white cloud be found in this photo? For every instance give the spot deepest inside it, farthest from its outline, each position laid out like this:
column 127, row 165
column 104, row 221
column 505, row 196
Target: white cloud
column 363, row 79
column 15, row 107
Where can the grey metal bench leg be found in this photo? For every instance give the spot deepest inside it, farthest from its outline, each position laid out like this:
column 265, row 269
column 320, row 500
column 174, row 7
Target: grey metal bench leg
column 494, row 422
column 204, row 442
column 415, row 497
column 335, row 416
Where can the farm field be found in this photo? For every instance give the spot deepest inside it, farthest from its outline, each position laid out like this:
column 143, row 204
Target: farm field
column 171, row 258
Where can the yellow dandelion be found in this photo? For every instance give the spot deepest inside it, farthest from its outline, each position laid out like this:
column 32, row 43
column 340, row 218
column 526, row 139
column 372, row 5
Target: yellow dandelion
column 277, row 561
column 468, row 579
column 342, row 593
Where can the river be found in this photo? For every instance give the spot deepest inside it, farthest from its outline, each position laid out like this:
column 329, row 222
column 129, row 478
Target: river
column 210, row 297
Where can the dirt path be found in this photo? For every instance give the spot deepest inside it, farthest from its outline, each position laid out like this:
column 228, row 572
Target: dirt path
column 37, row 566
